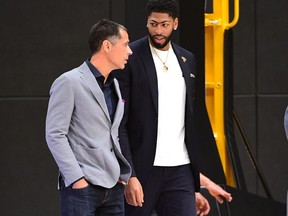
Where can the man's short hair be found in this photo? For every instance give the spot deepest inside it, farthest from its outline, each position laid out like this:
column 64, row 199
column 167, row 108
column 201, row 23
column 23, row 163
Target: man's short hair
column 162, row 6
column 104, row 30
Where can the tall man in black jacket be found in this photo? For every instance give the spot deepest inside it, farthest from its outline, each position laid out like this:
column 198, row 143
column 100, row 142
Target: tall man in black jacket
column 158, row 135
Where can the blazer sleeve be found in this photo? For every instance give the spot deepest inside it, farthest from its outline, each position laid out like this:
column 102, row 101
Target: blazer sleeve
column 60, row 110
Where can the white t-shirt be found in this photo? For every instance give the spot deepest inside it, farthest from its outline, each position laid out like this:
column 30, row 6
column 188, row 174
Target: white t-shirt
column 171, row 149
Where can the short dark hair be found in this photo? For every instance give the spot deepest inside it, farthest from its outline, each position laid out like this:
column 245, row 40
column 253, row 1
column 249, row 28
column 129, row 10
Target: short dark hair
column 104, row 29
column 162, row 6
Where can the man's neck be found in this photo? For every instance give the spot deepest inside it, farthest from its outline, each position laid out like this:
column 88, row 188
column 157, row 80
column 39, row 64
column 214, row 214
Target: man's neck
column 101, row 66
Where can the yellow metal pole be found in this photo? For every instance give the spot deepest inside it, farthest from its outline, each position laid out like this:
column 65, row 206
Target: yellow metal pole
column 215, row 25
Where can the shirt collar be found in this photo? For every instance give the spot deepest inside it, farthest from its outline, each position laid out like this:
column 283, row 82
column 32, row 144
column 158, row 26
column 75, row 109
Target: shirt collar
column 98, row 75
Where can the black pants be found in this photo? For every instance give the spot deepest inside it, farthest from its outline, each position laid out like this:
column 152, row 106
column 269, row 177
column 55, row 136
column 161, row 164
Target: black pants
column 92, row 200
column 168, row 190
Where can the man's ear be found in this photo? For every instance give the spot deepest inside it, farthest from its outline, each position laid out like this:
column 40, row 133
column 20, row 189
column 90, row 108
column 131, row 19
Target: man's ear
column 106, row 45
column 175, row 24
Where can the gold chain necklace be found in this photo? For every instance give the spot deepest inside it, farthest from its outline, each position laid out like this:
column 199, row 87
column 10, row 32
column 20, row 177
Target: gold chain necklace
column 165, row 67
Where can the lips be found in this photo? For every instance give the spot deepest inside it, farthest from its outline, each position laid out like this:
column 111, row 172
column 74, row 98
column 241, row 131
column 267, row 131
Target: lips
column 159, row 39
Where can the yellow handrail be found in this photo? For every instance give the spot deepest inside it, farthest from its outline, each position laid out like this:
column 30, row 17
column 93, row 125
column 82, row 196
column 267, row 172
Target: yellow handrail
column 236, row 15
column 216, row 24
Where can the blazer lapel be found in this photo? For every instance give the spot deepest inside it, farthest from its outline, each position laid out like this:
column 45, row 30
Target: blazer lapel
column 187, row 74
column 151, row 72
column 182, row 62
column 89, row 79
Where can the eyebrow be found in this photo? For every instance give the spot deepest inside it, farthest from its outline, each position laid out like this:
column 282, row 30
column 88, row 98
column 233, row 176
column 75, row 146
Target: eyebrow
column 159, row 22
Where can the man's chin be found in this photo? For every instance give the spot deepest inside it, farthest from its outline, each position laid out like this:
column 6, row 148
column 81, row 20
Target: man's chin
column 158, row 45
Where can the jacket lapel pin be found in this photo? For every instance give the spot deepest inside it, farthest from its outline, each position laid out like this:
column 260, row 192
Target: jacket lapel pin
column 183, row 58
column 192, row 75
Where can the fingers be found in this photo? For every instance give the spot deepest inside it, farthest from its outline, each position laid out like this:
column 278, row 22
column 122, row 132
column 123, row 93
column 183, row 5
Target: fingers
column 202, row 205
column 134, row 193
column 218, row 192
column 228, row 197
column 219, row 199
column 222, row 195
column 134, row 198
column 204, row 208
column 139, row 198
column 81, row 183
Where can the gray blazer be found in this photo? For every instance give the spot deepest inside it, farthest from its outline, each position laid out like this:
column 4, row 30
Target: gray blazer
column 79, row 133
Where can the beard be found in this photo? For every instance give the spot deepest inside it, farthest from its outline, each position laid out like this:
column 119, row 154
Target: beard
column 159, row 45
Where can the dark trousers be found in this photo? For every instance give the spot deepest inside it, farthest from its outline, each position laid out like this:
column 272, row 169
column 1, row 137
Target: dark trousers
column 92, row 201
column 168, row 190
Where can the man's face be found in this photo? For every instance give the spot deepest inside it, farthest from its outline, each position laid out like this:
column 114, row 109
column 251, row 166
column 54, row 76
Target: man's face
column 160, row 27
column 120, row 51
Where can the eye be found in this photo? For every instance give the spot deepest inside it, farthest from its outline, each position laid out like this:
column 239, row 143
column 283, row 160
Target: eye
column 154, row 24
column 165, row 24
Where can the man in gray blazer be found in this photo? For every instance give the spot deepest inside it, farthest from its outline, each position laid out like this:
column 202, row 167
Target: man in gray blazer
column 84, row 113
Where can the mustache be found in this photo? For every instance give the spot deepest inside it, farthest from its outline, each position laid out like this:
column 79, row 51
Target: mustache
column 158, row 35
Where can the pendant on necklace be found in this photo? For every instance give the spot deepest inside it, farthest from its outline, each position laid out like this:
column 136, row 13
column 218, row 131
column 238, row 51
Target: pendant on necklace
column 165, row 68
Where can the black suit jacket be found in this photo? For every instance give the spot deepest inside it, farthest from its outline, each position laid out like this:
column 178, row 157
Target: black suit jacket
column 139, row 88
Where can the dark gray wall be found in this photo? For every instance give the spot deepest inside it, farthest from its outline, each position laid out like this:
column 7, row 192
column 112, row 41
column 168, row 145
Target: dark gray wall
column 42, row 39
column 261, row 91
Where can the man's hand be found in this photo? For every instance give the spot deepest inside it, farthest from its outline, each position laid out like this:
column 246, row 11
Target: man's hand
column 215, row 190
column 81, row 183
column 134, row 193
column 202, row 205
column 218, row 192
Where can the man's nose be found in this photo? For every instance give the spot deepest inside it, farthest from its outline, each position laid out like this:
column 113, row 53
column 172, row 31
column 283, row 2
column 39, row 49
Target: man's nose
column 129, row 51
column 158, row 29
